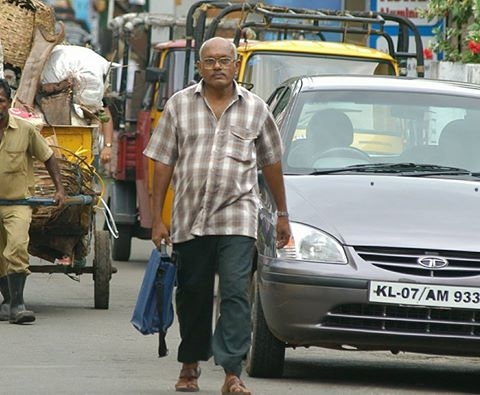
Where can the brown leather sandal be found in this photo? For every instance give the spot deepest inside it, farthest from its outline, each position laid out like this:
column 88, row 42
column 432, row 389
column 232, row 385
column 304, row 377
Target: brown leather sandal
column 235, row 386
column 188, row 380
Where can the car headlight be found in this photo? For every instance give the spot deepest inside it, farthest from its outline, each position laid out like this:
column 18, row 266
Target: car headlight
column 311, row 244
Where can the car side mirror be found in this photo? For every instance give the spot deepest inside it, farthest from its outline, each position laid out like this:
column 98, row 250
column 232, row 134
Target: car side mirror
column 154, row 74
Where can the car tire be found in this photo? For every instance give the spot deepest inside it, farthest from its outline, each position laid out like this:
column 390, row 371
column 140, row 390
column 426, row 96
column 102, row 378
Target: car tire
column 267, row 354
column 121, row 246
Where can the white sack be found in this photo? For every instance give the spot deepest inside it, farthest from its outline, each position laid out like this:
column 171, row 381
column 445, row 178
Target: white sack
column 84, row 67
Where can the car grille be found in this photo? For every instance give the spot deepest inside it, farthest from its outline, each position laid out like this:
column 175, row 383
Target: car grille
column 460, row 264
column 404, row 319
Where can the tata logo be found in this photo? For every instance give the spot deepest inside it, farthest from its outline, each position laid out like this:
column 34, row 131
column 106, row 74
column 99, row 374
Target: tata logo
column 432, row 262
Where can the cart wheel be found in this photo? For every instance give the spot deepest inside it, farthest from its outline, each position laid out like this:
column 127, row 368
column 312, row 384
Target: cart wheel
column 102, row 269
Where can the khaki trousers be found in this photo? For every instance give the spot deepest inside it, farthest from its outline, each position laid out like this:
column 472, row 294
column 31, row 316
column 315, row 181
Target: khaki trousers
column 14, row 238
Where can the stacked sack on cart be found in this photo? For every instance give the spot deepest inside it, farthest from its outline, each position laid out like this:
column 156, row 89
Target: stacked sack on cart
column 59, row 88
column 31, row 43
column 72, row 86
column 75, row 75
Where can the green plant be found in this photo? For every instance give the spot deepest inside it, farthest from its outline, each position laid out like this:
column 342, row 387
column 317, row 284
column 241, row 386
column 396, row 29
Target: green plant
column 459, row 40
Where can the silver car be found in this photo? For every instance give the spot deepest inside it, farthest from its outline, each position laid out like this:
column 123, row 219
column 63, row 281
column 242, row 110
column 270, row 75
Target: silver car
column 382, row 179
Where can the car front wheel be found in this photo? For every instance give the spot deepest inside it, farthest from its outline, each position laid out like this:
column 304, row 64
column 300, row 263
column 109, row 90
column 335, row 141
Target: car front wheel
column 267, row 354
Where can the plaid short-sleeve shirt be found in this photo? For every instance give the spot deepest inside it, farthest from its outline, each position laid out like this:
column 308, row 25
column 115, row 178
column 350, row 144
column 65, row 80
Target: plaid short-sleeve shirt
column 216, row 161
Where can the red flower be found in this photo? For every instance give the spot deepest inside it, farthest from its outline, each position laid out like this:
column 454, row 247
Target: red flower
column 428, row 53
column 474, row 47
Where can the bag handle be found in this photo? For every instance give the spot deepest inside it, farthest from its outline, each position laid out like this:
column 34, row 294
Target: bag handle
column 163, row 248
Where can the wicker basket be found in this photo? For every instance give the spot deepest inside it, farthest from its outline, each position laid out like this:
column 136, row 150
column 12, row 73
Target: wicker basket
column 18, row 19
column 44, row 16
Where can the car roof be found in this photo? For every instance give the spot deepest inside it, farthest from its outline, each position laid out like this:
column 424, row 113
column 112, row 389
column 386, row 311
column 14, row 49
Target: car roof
column 387, row 83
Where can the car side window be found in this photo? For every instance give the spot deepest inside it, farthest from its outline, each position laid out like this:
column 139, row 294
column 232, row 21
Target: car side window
column 278, row 101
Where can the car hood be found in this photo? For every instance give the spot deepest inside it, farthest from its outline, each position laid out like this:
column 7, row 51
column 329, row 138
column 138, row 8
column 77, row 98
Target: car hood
column 393, row 211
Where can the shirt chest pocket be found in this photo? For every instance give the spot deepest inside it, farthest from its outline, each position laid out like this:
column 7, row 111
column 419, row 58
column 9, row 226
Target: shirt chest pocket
column 241, row 144
column 13, row 162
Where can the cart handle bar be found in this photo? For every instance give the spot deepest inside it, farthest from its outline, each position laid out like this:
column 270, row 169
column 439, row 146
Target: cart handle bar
column 41, row 201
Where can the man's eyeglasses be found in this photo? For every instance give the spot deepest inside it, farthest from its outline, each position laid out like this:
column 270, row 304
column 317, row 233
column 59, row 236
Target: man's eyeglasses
column 224, row 62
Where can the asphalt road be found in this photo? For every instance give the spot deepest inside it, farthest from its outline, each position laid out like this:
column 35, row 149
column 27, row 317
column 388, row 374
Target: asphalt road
column 74, row 349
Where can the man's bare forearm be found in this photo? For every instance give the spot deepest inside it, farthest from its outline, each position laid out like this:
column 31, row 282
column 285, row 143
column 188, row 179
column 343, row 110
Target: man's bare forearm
column 274, row 177
column 54, row 172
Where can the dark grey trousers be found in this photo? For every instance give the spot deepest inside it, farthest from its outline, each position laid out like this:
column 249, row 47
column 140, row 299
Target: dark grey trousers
column 197, row 261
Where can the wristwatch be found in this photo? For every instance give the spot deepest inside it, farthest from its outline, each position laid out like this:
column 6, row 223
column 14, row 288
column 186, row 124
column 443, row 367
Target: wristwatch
column 108, row 145
column 282, row 214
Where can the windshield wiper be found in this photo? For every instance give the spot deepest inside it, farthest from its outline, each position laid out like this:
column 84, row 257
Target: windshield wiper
column 405, row 168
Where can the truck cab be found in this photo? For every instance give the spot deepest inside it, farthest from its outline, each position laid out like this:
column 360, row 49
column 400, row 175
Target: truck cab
column 276, row 43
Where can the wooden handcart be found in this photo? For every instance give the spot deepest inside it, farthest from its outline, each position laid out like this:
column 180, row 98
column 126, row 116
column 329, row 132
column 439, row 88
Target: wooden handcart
column 63, row 236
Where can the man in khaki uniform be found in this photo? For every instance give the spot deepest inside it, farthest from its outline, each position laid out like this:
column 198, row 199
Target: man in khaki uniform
column 19, row 143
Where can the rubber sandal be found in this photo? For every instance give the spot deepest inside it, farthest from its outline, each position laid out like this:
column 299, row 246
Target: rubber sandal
column 188, row 380
column 235, row 386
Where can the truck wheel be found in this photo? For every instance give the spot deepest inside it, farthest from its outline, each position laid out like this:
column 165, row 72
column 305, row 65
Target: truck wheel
column 267, row 354
column 121, row 247
column 102, row 269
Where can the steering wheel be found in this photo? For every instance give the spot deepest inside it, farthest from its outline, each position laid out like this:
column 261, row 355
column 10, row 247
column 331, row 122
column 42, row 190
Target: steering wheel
column 344, row 152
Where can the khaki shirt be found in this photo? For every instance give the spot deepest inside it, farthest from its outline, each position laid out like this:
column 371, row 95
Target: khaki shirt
column 216, row 161
column 20, row 143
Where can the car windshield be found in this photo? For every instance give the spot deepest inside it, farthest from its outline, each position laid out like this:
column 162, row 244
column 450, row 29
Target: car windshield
column 383, row 132
column 268, row 70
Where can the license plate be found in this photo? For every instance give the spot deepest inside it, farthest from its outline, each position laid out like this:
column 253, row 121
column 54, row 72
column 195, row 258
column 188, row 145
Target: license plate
column 424, row 295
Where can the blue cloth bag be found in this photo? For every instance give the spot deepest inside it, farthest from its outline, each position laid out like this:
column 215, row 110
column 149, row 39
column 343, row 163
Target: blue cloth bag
column 153, row 310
